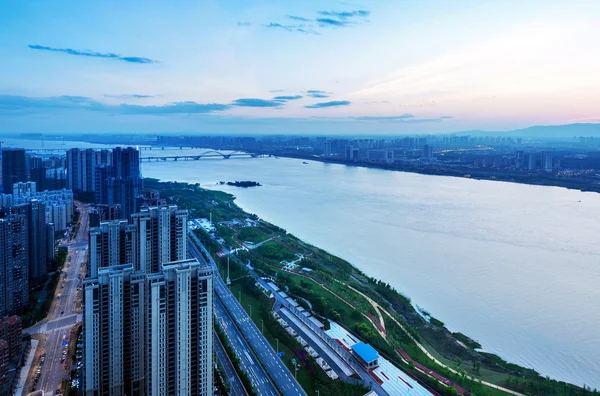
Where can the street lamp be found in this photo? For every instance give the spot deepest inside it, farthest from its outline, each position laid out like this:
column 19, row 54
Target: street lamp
column 250, row 305
column 240, row 295
column 277, row 339
column 262, row 327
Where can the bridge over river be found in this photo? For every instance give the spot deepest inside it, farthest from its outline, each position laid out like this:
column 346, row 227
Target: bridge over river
column 206, row 154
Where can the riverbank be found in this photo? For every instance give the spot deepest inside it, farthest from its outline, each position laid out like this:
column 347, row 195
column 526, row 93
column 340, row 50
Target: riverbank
column 325, row 268
column 584, row 184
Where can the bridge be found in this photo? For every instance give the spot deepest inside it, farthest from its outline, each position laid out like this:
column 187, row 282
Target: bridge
column 206, row 154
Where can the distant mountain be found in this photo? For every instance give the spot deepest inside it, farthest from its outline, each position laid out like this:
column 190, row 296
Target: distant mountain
column 547, row 131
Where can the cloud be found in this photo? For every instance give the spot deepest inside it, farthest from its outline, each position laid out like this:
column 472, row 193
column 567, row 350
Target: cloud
column 313, row 93
column 340, row 18
column 403, row 118
column 290, row 28
column 106, row 55
column 335, row 103
column 297, row 18
column 389, row 118
column 129, row 96
column 277, row 90
column 285, row 98
column 345, row 14
column 254, row 102
column 173, row 108
column 24, row 104
column 244, row 24
column 332, row 22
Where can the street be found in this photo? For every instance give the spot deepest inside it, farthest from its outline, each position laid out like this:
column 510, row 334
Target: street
column 63, row 313
column 236, row 388
column 284, row 380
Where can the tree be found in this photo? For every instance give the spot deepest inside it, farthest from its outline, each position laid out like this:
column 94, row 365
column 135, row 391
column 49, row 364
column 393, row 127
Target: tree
column 477, row 367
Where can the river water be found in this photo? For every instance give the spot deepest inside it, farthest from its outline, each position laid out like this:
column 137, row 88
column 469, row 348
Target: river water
column 514, row 266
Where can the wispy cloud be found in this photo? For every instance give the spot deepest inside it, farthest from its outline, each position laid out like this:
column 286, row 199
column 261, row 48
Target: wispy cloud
column 332, row 22
column 403, row 118
column 291, row 28
column 129, row 96
column 314, row 93
column 25, row 104
column 93, row 54
column 286, row 98
column 335, row 103
column 297, row 18
column 254, row 102
column 345, row 14
column 243, row 23
column 324, row 19
column 341, row 18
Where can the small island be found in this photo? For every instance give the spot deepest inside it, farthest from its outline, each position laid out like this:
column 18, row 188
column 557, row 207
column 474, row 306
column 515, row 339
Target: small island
column 244, row 184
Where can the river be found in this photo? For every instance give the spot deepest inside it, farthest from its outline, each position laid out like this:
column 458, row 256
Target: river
column 514, row 266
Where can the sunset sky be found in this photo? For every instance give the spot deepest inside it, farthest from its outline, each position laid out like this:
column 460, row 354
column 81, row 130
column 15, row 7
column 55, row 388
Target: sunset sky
column 325, row 67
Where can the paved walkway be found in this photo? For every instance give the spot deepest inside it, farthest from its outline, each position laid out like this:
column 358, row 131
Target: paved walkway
column 20, row 389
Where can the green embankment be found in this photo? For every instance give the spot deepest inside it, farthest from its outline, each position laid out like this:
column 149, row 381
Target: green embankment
column 331, row 270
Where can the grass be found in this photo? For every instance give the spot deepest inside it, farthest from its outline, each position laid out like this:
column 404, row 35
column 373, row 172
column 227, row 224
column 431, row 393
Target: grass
column 252, row 235
column 274, row 253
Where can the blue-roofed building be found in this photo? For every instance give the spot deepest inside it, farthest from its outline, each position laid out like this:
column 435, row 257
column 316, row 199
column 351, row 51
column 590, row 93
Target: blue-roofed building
column 366, row 355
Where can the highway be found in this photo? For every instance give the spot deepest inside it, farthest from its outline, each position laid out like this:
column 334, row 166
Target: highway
column 236, row 388
column 63, row 314
column 248, row 360
column 281, row 376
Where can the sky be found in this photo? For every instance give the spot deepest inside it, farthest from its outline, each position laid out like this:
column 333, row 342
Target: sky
column 297, row 67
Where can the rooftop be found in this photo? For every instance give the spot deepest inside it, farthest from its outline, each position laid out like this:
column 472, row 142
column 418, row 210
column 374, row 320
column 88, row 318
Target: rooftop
column 366, row 352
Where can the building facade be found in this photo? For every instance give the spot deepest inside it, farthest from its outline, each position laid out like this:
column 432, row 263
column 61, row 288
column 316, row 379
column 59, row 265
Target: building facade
column 14, row 168
column 147, row 309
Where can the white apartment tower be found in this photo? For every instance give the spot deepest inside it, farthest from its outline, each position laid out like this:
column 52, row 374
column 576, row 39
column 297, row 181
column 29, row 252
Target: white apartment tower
column 147, row 309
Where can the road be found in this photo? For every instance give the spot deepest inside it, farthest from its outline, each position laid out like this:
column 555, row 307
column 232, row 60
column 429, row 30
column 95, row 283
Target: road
column 284, row 380
column 236, row 388
column 63, row 316
column 248, row 360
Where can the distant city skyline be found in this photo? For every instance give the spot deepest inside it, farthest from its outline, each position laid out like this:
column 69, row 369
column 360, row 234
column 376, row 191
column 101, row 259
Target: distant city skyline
column 324, row 67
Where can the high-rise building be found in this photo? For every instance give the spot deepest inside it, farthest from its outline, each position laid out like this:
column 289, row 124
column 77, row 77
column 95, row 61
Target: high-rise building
column 14, row 169
column 531, row 161
column 38, row 242
column 328, row 148
column 162, row 237
column 147, row 309
column 74, row 178
column 14, row 252
column 120, row 183
column 81, row 168
column 110, row 245
column 50, row 248
column 24, row 189
column 38, row 176
column 99, row 213
column 11, row 330
column 547, row 161
column 427, row 152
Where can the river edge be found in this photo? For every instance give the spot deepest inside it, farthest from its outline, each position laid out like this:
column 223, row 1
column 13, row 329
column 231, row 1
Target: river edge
column 529, row 379
column 532, row 180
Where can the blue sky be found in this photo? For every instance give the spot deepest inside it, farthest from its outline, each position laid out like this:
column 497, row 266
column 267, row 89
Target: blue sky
column 319, row 67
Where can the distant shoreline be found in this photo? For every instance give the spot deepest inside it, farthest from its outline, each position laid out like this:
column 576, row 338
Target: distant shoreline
column 475, row 174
